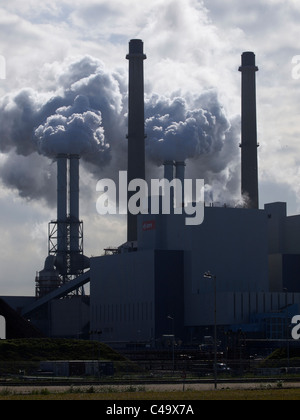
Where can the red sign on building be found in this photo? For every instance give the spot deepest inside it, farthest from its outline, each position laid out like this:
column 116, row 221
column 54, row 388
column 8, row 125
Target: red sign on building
column 151, row 225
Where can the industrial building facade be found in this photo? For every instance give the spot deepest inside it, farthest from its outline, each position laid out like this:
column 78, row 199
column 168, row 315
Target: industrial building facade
column 136, row 292
column 154, row 285
column 143, row 295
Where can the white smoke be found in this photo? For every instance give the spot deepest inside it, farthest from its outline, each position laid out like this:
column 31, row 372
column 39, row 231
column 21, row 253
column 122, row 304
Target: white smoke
column 178, row 131
column 79, row 110
column 75, row 130
column 85, row 95
column 82, row 109
column 196, row 130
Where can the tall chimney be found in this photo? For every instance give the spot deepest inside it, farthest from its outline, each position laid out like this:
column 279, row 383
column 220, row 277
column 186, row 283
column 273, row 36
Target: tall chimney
column 169, row 170
column 74, row 203
column 136, row 124
column 180, row 174
column 249, row 143
column 62, row 211
column 66, row 233
column 169, row 176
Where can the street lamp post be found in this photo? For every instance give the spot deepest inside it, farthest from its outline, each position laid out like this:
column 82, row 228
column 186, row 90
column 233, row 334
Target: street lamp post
column 208, row 275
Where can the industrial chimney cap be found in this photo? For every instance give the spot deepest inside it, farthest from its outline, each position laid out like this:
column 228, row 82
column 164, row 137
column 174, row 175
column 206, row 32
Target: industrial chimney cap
column 248, row 59
column 136, row 49
column 136, row 46
column 248, row 62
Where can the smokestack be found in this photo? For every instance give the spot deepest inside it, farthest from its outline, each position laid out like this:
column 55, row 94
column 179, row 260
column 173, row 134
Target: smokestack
column 68, row 259
column 169, row 170
column 249, row 143
column 169, row 176
column 65, row 257
column 74, row 204
column 62, row 210
column 180, row 174
column 136, row 124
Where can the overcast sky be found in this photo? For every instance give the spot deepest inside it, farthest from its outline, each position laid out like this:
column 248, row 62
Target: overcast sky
column 55, row 50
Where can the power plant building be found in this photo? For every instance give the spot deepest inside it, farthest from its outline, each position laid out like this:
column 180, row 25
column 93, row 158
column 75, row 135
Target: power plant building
column 154, row 285
column 133, row 294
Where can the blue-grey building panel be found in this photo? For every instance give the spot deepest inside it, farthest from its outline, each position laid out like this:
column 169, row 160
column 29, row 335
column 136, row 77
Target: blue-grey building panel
column 122, row 297
column 169, row 293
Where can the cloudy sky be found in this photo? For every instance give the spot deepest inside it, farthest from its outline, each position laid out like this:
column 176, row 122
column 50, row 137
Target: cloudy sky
column 66, row 80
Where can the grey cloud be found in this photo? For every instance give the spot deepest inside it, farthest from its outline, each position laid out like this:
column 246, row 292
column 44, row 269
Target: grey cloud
column 34, row 176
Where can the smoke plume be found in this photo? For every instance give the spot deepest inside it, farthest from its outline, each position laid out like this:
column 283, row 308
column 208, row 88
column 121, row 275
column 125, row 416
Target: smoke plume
column 73, row 130
column 178, row 132
column 81, row 108
column 196, row 130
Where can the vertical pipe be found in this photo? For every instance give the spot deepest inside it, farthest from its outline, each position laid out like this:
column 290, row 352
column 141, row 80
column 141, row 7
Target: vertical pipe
column 180, row 174
column 249, row 131
column 169, row 170
column 74, row 204
column 62, row 203
column 136, row 124
column 169, row 176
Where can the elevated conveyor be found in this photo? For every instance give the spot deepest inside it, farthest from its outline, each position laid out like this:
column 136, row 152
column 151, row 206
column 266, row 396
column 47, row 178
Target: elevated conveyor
column 58, row 293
